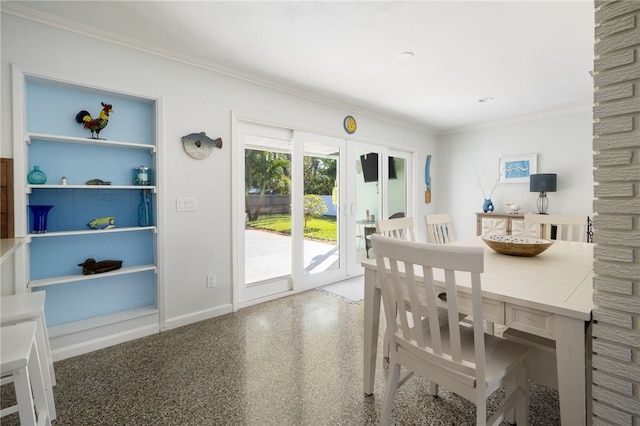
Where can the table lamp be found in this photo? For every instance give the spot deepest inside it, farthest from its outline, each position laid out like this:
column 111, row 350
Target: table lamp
column 543, row 183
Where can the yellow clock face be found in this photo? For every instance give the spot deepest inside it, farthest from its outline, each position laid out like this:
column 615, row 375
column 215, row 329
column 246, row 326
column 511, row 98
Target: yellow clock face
column 349, row 124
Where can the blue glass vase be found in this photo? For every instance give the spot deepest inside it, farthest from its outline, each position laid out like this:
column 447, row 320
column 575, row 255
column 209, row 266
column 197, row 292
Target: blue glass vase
column 487, row 206
column 36, row 176
column 39, row 223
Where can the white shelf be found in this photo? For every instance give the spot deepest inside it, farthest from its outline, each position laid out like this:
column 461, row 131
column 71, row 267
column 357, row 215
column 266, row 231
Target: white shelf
column 45, row 186
column 30, row 188
column 99, row 321
column 87, row 141
column 91, row 231
column 75, row 278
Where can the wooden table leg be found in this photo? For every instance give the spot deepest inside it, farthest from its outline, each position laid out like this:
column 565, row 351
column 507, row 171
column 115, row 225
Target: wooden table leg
column 570, row 358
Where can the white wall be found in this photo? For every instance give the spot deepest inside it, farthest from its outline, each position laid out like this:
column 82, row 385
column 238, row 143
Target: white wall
column 562, row 142
column 195, row 99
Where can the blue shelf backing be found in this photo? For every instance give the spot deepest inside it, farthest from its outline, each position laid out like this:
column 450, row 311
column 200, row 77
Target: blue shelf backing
column 74, row 208
column 60, row 256
column 52, row 108
column 80, row 163
column 87, row 299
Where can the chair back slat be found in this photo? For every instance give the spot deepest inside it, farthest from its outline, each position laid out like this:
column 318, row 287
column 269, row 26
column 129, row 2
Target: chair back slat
column 568, row 227
column 439, row 228
column 411, row 303
column 431, row 298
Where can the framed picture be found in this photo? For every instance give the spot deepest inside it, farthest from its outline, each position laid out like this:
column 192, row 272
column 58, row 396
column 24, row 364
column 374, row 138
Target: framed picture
column 517, row 168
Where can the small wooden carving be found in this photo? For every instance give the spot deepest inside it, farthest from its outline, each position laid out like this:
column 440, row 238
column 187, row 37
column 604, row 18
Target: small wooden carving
column 90, row 266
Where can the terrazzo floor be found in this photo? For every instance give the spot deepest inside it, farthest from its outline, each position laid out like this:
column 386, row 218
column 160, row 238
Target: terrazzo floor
column 293, row 361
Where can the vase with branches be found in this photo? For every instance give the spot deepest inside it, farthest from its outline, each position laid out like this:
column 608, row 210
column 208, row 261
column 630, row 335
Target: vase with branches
column 487, row 187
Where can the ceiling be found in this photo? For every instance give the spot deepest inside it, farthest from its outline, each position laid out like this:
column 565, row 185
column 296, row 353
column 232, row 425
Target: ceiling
column 531, row 57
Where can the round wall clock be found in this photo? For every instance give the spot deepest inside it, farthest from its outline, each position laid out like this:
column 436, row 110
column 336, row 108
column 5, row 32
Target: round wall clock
column 350, row 124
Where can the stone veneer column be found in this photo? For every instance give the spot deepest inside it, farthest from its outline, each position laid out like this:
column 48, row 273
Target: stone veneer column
column 616, row 131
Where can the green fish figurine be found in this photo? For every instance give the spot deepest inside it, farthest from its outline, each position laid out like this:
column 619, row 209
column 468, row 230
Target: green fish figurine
column 103, row 223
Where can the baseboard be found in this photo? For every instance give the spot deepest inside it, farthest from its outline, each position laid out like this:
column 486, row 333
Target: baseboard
column 193, row 317
column 83, row 347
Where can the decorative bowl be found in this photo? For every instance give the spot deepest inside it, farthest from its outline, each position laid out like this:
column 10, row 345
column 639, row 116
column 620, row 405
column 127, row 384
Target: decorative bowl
column 516, row 246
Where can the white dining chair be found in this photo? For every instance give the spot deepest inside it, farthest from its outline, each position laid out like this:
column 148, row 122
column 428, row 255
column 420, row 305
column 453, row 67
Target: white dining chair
column 20, row 364
column 439, row 228
column 401, row 228
column 463, row 359
column 568, row 227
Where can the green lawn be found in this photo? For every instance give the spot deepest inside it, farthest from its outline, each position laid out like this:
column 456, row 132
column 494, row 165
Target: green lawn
column 319, row 228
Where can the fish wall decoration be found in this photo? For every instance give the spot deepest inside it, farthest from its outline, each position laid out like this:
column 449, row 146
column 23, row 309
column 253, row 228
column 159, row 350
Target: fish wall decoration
column 199, row 145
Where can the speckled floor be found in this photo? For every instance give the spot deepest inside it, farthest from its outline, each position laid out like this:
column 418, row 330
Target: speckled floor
column 294, row 361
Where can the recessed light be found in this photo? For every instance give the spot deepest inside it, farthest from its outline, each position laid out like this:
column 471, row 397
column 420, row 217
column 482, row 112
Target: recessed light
column 486, row 99
column 405, row 56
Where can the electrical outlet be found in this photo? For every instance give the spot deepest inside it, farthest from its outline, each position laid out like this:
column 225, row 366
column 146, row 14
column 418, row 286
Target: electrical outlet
column 211, row 280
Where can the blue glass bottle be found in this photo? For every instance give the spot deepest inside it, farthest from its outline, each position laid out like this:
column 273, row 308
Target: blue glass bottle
column 36, row 176
column 145, row 210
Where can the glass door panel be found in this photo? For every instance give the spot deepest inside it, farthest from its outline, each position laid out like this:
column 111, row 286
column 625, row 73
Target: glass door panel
column 366, row 205
column 397, row 187
column 266, row 241
column 322, row 199
column 321, row 249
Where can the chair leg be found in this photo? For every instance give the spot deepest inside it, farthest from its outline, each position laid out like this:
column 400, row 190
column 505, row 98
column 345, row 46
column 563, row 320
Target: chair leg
column 510, row 387
column 23, row 396
column 386, row 343
column 433, row 388
column 390, row 393
column 38, row 387
column 481, row 413
column 522, row 406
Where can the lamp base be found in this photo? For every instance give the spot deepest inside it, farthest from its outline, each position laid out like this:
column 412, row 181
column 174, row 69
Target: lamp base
column 543, row 203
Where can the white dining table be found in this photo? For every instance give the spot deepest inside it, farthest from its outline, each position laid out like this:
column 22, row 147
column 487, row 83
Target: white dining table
column 549, row 295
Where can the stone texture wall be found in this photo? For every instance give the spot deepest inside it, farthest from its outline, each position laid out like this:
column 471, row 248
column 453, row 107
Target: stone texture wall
column 616, row 143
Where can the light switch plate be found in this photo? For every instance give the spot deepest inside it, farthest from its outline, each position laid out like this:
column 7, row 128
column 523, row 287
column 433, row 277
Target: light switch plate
column 186, row 204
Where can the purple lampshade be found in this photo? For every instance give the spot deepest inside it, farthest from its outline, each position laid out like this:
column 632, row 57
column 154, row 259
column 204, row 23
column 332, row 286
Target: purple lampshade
column 543, row 182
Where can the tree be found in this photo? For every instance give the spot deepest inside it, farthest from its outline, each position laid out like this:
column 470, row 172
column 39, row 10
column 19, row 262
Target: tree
column 319, row 175
column 313, row 207
column 266, row 172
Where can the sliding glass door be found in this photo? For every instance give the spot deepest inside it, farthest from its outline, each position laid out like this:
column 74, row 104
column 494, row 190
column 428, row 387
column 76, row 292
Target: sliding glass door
column 305, row 206
column 291, row 237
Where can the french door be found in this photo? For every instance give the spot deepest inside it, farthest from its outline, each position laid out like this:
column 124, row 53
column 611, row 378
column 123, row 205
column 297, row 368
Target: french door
column 379, row 188
column 300, row 203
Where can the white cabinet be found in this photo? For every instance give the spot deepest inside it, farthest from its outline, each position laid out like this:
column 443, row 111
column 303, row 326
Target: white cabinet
column 85, row 312
column 505, row 224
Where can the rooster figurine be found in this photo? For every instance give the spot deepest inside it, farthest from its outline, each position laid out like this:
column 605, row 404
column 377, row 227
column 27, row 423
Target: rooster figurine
column 95, row 124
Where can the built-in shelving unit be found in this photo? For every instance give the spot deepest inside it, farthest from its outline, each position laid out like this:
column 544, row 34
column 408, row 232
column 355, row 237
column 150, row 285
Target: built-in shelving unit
column 103, row 306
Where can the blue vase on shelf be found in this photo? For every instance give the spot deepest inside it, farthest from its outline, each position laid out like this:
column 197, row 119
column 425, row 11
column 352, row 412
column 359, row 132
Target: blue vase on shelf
column 36, row 176
column 39, row 224
column 487, row 206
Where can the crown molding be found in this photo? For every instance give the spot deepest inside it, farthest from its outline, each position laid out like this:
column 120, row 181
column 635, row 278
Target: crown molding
column 549, row 113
